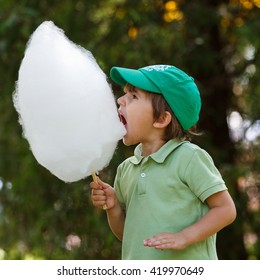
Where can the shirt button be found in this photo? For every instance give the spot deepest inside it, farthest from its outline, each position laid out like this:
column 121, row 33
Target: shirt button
column 143, row 175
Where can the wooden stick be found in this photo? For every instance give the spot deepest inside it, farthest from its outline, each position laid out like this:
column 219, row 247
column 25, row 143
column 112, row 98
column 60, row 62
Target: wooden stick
column 95, row 179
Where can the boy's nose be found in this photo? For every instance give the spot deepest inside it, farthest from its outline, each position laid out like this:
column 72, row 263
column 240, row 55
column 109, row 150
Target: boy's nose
column 120, row 101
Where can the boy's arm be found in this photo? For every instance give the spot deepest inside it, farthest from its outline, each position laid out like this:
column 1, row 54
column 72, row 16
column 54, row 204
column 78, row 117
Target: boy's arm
column 222, row 213
column 116, row 220
column 104, row 195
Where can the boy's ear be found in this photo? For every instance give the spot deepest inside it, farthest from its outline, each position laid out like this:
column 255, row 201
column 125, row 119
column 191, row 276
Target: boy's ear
column 164, row 119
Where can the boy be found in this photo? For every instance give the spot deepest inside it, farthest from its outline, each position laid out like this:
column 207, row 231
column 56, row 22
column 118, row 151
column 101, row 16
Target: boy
column 169, row 200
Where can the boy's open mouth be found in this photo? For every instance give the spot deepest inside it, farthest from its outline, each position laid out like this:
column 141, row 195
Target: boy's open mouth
column 122, row 118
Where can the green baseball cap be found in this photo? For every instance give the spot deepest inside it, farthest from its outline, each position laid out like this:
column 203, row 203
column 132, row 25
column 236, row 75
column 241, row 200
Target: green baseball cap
column 178, row 88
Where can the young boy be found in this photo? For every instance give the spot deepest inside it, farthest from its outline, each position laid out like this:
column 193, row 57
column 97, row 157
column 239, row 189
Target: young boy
column 168, row 200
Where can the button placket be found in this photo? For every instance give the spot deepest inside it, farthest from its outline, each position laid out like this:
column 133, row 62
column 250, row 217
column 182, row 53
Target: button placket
column 143, row 178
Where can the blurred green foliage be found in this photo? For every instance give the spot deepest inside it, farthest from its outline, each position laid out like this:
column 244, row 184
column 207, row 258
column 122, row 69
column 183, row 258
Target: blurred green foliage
column 217, row 42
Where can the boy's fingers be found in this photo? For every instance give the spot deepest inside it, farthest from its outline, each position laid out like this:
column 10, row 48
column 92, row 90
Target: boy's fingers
column 99, row 204
column 94, row 186
column 98, row 193
column 102, row 185
column 98, row 196
column 99, row 185
column 100, row 200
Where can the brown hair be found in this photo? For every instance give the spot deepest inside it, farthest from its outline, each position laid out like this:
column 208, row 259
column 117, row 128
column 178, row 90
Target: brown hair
column 174, row 129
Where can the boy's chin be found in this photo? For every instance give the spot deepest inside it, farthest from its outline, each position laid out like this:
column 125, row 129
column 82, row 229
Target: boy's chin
column 127, row 141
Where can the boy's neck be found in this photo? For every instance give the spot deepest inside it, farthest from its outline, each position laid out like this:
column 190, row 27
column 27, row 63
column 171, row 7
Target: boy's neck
column 149, row 148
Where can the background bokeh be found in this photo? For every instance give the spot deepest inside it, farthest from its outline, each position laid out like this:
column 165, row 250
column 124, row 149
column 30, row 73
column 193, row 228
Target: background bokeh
column 215, row 41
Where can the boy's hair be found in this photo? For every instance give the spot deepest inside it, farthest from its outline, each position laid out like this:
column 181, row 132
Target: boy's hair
column 174, row 130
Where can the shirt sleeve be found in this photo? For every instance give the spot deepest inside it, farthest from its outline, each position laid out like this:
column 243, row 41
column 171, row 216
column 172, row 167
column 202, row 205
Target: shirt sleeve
column 202, row 176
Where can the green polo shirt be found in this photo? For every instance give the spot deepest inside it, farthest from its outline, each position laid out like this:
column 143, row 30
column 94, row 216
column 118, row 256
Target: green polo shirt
column 166, row 192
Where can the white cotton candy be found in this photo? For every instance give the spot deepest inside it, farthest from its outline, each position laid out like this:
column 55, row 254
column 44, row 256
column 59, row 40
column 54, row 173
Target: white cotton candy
column 66, row 106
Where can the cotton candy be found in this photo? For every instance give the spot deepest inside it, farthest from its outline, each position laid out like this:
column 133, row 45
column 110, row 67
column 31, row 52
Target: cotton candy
column 66, row 106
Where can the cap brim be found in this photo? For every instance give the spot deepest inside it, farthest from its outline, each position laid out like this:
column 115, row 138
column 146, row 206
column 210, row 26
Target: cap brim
column 122, row 76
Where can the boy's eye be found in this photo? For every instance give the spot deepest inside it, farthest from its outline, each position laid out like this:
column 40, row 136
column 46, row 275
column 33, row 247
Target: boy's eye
column 134, row 96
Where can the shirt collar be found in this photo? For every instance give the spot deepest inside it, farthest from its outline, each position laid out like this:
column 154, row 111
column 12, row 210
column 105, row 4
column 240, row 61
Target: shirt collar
column 158, row 156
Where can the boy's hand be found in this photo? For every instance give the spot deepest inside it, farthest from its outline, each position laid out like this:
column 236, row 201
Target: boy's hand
column 102, row 195
column 166, row 241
